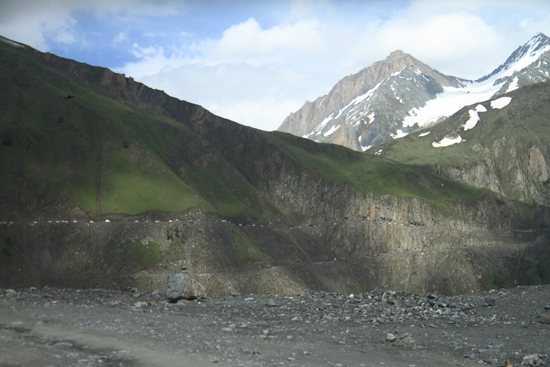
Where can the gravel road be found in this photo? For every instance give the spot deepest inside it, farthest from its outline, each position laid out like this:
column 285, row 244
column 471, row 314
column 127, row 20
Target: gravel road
column 94, row 327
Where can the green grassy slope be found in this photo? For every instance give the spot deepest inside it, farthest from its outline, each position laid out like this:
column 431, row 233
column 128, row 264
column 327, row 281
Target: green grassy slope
column 507, row 150
column 112, row 157
column 335, row 163
column 526, row 119
column 106, row 156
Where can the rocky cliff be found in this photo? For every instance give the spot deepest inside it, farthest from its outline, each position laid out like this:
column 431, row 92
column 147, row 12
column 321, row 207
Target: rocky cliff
column 358, row 100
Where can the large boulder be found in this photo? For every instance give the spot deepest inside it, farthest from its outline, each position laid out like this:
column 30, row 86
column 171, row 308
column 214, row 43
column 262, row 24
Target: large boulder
column 181, row 286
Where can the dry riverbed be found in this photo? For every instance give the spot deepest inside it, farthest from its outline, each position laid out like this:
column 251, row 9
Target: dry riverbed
column 67, row 327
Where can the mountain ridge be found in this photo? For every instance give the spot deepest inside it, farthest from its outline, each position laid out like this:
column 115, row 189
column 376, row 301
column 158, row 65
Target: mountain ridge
column 355, row 84
column 407, row 99
column 122, row 185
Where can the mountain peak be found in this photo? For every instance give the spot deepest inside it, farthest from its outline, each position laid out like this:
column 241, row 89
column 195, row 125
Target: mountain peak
column 540, row 36
column 390, row 98
column 538, row 41
column 397, row 54
column 522, row 56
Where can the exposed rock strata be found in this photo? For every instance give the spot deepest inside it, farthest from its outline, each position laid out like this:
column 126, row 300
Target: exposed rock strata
column 521, row 173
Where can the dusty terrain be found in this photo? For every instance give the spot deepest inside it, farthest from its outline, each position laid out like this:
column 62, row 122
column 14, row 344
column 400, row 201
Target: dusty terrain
column 67, row 327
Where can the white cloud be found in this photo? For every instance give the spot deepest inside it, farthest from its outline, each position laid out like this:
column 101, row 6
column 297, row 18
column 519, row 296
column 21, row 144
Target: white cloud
column 259, row 69
column 314, row 53
column 121, row 36
column 238, row 91
column 32, row 27
column 248, row 42
column 34, row 22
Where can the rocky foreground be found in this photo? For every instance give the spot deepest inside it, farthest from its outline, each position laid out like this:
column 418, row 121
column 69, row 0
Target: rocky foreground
column 96, row 327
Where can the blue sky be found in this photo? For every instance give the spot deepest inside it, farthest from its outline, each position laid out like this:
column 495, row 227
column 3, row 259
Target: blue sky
column 257, row 61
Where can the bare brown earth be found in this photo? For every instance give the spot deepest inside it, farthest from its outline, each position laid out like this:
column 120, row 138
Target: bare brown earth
column 67, row 327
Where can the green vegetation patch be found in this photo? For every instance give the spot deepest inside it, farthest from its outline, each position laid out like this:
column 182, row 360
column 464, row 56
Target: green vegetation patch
column 108, row 156
column 497, row 278
column 246, row 249
column 525, row 120
column 144, row 253
column 379, row 175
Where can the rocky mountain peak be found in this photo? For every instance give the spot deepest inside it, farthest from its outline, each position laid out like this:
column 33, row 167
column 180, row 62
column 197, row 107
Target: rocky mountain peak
column 397, row 54
column 389, row 99
column 537, row 45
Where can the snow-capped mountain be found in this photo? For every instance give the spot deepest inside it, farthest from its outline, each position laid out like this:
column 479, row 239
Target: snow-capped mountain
column 399, row 95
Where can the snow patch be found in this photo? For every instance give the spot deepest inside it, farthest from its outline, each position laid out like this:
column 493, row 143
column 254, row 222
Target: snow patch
column 378, row 152
column 472, row 121
column 371, row 116
column 362, row 97
column 399, row 134
column 331, row 130
column 424, row 134
column 446, row 141
column 398, row 72
column 501, row 102
column 366, row 148
column 481, row 108
column 513, row 85
column 451, row 100
column 321, row 125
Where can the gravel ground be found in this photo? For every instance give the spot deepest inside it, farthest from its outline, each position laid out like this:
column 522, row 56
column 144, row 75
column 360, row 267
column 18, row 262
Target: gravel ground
column 67, row 327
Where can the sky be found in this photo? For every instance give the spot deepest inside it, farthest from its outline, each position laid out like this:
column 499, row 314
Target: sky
column 255, row 62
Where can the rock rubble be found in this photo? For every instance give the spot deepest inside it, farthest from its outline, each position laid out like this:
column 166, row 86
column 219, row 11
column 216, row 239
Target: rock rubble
column 254, row 329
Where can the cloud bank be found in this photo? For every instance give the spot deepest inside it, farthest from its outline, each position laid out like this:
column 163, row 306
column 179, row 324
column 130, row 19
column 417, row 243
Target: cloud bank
column 257, row 63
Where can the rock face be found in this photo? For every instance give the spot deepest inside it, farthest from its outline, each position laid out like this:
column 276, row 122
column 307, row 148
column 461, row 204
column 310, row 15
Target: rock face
column 504, row 169
column 181, row 286
column 390, row 99
column 362, row 109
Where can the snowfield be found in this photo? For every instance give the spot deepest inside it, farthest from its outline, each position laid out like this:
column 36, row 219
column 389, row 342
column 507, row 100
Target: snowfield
column 501, row 102
column 399, row 134
column 452, row 99
column 472, row 121
column 446, row 141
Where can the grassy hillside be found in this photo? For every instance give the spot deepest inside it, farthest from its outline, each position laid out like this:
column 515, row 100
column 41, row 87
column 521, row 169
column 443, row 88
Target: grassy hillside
column 335, row 163
column 108, row 156
column 506, row 151
column 525, row 118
